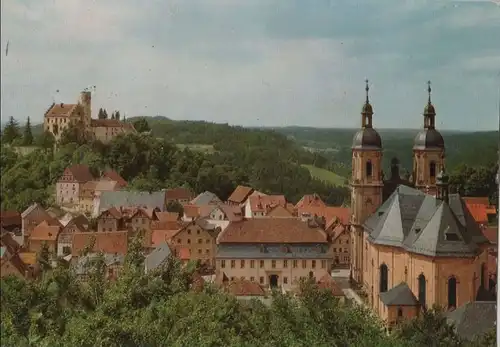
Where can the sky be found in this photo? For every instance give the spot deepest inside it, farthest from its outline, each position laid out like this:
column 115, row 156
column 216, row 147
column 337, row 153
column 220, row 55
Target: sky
column 256, row 62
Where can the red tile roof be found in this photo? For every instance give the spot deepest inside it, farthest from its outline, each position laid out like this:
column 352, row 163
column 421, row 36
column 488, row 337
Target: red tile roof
column 6, row 240
column 328, row 283
column 233, row 213
column 9, row 218
column 491, row 233
column 178, row 194
column 167, row 216
column 312, row 200
column 113, row 212
column 61, row 110
column 271, row 230
column 279, row 212
column 329, row 212
column 479, row 207
column 264, row 203
column 337, row 231
column 107, row 242
column 109, row 123
column 245, row 288
column 45, row 232
column 240, row 194
column 191, row 211
column 115, row 176
column 80, row 172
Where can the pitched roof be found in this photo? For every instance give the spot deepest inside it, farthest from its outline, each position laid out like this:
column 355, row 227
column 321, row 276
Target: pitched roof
column 81, row 173
column 263, row 203
column 61, row 110
column 115, row 176
column 108, row 123
column 113, row 211
column 157, row 256
column 479, row 207
column 245, row 288
column 161, row 236
column 328, row 283
column 279, row 211
column 28, row 258
column 473, row 318
column 17, row 262
column 191, row 211
column 105, row 241
column 45, row 232
column 233, row 213
column 312, row 200
column 422, row 224
column 491, row 233
column 132, row 198
column 240, row 194
column 400, row 295
column 337, row 231
column 271, row 230
column 8, row 218
column 178, row 194
column 205, row 198
column 167, row 216
column 330, row 213
column 83, row 264
column 7, row 241
column 106, row 186
column 30, row 209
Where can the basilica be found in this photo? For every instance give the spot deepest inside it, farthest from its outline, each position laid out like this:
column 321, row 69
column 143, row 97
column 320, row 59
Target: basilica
column 414, row 244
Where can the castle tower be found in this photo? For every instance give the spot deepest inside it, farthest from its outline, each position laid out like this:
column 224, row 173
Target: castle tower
column 366, row 184
column 428, row 151
column 86, row 104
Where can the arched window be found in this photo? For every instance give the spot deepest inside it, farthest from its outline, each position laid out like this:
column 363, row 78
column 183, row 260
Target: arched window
column 432, row 169
column 452, row 292
column 421, row 290
column 483, row 276
column 384, row 278
column 369, row 169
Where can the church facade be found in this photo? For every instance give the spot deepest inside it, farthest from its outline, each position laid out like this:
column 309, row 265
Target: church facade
column 415, row 245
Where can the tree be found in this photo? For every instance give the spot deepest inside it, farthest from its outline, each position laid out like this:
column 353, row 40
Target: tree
column 175, row 206
column 11, row 131
column 101, row 114
column 105, row 114
column 43, row 257
column 27, row 135
column 141, row 125
column 117, row 115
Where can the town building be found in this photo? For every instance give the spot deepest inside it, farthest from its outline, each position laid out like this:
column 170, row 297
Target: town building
column 33, row 216
column 273, row 252
column 178, row 195
column 71, row 184
column 60, row 117
column 415, row 245
column 257, row 206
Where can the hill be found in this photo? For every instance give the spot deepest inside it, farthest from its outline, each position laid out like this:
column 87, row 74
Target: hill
column 325, row 175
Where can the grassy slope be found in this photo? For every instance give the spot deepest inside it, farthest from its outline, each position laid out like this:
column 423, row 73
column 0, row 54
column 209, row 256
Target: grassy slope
column 325, row 175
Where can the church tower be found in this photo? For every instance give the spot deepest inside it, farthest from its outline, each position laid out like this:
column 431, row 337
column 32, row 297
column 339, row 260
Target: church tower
column 366, row 184
column 428, row 151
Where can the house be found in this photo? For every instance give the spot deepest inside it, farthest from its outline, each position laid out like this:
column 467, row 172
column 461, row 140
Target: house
column 105, row 130
column 206, row 198
column 191, row 212
column 273, row 252
column 245, row 289
column 473, row 319
column 110, row 220
column 44, row 233
column 70, row 185
column 12, row 265
column 33, row 216
column 195, row 241
column 400, row 303
column 157, row 257
column 481, row 209
column 340, row 243
column 65, row 239
column 239, row 195
column 168, row 216
column 112, row 242
column 86, row 198
column 113, row 176
column 259, row 205
column 113, row 264
column 279, row 211
column 179, row 195
column 162, row 231
column 108, row 199
column 11, row 222
column 310, row 200
column 328, row 283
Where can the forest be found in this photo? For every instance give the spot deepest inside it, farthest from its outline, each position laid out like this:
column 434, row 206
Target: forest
column 172, row 307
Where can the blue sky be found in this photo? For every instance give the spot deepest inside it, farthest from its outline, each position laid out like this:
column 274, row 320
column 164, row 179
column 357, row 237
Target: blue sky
column 256, row 62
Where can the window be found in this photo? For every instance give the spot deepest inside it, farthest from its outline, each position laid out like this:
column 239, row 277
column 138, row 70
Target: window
column 346, row 250
column 452, row 237
column 323, row 264
column 261, row 264
column 207, row 251
column 432, row 169
column 198, row 232
column 232, row 278
column 233, row 264
column 273, row 264
column 400, row 313
column 252, row 278
column 178, row 240
column 452, row 292
column 313, row 264
column 261, row 280
column 384, row 278
column 189, row 231
column 304, row 264
column 335, row 250
column 285, row 263
column 207, row 241
column 242, row 263
column 340, row 242
column 369, row 169
column 285, row 280
column 252, row 264
column 223, row 264
column 200, row 241
column 421, row 290
column 66, row 250
column 199, row 251
column 189, row 241
column 295, row 264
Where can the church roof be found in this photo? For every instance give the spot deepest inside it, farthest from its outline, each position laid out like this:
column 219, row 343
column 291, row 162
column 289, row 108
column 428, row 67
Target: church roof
column 400, row 295
column 473, row 318
column 421, row 224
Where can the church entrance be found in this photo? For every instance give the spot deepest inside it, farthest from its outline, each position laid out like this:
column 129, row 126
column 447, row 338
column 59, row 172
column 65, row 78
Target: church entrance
column 273, row 281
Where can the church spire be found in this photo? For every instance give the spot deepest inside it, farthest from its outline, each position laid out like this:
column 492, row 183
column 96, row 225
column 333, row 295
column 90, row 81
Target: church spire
column 367, row 111
column 429, row 110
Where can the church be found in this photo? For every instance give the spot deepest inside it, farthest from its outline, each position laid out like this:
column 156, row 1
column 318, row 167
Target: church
column 415, row 245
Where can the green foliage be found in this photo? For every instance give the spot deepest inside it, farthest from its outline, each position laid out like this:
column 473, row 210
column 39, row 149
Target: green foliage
column 174, row 206
column 46, row 140
column 141, row 125
column 27, row 135
column 74, row 133
column 102, row 114
column 11, row 131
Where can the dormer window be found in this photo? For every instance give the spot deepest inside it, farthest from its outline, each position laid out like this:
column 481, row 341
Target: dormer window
column 452, row 237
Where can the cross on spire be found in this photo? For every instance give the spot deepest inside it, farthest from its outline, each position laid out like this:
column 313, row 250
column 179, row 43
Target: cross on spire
column 367, row 88
column 429, row 90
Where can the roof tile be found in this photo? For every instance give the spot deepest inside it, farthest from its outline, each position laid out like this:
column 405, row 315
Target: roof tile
column 240, row 194
column 107, row 242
